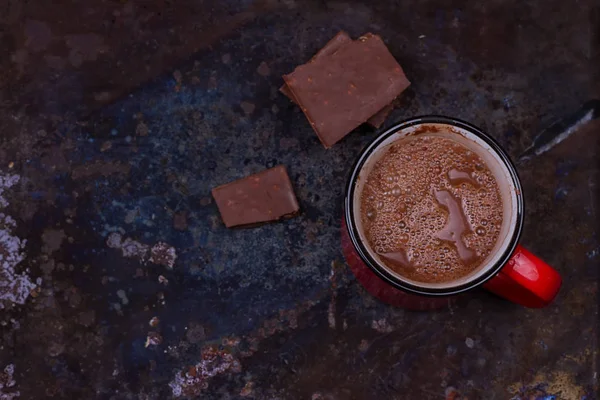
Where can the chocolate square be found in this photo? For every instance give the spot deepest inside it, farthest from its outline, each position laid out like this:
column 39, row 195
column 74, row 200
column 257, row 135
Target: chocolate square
column 339, row 40
column 262, row 197
column 339, row 92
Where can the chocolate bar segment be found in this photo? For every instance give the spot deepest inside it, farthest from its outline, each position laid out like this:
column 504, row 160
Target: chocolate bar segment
column 339, row 40
column 262, row 197
column 339, row 92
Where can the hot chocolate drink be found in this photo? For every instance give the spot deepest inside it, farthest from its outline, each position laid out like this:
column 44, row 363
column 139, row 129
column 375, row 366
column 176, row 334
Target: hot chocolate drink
column 431, row 208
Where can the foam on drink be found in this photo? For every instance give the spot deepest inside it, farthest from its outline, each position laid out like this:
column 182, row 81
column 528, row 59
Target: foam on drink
column 431, row 208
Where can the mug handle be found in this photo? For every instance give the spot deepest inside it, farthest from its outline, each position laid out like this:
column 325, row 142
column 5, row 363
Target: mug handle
column 526, row 280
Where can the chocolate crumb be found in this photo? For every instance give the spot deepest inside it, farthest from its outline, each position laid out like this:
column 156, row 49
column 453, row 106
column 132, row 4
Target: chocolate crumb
column 247, row 107
column 263, row 69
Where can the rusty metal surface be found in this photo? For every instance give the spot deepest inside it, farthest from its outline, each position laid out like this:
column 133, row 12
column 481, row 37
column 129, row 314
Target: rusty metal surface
column 118, row 117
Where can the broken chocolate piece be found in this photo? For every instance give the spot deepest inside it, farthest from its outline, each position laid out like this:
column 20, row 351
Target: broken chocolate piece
column 331, row 47
column 262, row 197
column 339, row 92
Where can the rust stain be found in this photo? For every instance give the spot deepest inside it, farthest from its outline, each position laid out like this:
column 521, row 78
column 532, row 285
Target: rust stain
column 557, row 383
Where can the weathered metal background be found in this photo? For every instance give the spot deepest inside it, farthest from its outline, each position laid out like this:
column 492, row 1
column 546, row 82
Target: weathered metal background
column 118, row 117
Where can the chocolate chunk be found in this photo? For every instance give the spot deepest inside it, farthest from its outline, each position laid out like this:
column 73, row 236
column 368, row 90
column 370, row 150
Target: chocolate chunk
column 331, row 47
column 262, row 197
column 339, row 92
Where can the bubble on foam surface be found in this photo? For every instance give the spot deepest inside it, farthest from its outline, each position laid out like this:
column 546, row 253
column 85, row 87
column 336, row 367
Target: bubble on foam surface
column 409, row 218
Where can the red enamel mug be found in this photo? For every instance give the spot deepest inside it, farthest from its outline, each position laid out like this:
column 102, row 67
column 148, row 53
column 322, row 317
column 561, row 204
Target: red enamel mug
column 510, row 271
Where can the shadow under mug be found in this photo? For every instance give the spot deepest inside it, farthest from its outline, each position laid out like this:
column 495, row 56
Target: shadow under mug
column 510, row 271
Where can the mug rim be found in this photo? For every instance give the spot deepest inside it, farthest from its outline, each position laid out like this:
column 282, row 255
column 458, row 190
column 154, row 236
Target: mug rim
column 375, row 266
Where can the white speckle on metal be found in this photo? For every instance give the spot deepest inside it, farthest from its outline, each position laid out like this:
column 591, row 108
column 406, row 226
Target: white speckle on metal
column 7, row 381
column 161, row 253
column 153, row 339
column 134, row 249
column 164, row 254
column 193, row 381
column 382, row 326
column 129, row 248
column 593, row 253
column 123, row 296
column 14, row 288
column 114, row 240
column 6, row 182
